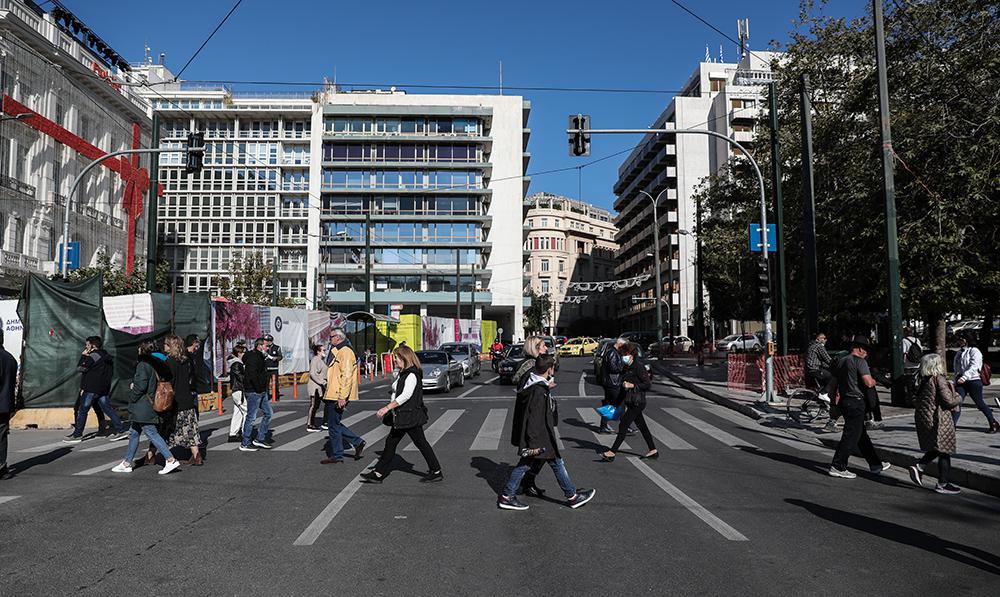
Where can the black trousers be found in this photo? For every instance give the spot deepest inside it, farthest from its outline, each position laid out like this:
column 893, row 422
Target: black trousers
column 633, row 415
column 944, row 464
column 419, row 440
column 316, row 405
column 4, row 433
column 855, row 435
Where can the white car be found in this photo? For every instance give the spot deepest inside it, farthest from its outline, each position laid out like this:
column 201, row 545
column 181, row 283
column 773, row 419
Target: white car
column 738, row 343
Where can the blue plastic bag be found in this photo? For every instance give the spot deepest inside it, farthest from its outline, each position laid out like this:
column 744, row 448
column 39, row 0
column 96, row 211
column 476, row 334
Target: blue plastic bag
column 610, row 411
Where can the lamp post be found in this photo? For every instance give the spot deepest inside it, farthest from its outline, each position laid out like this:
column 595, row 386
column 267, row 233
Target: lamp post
column 656, row 267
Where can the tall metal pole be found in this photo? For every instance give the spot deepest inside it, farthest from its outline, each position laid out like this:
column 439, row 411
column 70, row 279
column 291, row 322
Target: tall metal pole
column 274, row 280
column 368, row 259
column 656, row 267
column 779, row 220
column 458, row 284
column 809, row 211
column 151, row 209
column 699, row 292
column 889, row 189
column 472, row 301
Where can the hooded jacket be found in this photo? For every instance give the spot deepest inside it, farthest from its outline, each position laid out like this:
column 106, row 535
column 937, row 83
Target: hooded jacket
column 237, row 373
column 96, row 368
column 143, row 388
column 535, row 418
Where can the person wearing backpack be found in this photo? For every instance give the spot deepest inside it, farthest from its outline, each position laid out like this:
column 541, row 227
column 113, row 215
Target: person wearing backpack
column 913, row 352
column 151, row 370
column 968, row 366
column 936, row 401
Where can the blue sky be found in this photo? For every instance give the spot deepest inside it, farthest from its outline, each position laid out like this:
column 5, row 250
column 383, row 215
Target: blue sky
column 635, row 45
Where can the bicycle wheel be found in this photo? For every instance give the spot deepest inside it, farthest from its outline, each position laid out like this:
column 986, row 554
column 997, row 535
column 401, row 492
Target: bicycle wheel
column 810, row 409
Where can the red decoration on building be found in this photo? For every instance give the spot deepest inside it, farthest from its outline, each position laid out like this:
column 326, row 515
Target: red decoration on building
column 136, row 179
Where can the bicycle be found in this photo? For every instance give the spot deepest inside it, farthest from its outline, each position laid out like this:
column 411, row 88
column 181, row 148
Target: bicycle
column 812, row 405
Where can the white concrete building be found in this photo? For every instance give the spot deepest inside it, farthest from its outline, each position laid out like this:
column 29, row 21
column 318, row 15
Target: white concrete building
column 723, row 97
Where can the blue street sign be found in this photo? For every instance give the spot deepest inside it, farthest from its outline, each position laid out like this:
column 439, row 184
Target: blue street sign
column 772, row 238
column 74, row 256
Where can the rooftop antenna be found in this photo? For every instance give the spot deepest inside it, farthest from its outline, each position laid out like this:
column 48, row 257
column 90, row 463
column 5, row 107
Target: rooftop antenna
column 708, row 55
column 501, row 76
column 147, row 56
column 721, row 59
column 743, row 33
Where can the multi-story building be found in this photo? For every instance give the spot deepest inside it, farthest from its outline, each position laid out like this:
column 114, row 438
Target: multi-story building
column 368, row 200
column 571, row 241
column 63, row 105
column 722, row 97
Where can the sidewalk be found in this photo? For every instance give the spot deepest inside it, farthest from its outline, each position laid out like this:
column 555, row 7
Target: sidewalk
column 975, row 466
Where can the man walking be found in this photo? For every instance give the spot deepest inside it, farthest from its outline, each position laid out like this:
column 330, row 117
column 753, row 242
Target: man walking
column 341, row 388
column 273, row 356
column 611, row 379
column 853, row 379
column 255, row 383
column 8, row 379
column 95, row 385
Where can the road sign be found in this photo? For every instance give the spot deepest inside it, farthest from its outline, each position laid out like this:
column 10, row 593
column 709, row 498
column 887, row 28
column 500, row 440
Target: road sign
column 74, row 255
column 772, row 238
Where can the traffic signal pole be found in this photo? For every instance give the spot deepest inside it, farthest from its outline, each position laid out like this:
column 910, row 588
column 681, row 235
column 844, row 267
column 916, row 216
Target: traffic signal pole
column 152, row 235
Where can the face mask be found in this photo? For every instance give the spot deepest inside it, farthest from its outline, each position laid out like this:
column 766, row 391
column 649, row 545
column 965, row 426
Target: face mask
column 627, row 359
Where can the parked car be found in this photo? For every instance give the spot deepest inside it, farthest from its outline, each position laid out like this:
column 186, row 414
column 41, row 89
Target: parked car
column 441, row 370
column 739, row 343
column 550, row 343
column 560, row 340
column 681, row 344
column 465, row 353
column 578, row 346
column 510, row 363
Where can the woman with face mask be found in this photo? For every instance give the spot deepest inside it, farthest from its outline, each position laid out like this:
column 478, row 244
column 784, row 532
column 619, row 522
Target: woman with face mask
column 635, row 383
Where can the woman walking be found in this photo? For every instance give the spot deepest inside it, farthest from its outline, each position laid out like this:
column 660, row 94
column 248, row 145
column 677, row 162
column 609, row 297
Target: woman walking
column 316, row 386
column 237, row 377
column 935, row 403
column 968, row 366
column 185, row 429
column 409, row 415
column 635, row 384
column 142, row 418
column 533, row 346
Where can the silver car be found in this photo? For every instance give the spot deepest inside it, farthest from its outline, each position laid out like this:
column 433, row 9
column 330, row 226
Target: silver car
column 465, row 353
column 441, row 370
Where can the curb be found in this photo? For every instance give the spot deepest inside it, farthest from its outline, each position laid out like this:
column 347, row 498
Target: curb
column 960, row 476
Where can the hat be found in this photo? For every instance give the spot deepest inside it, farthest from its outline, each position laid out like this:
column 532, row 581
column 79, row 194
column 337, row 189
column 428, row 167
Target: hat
column 860, row 341
column 269, row 337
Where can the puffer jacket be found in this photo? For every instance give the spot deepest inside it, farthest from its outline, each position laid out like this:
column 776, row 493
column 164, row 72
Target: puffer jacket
column 936, row 398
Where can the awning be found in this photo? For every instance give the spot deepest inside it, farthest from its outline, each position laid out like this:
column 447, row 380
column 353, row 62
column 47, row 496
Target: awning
column 360, row 315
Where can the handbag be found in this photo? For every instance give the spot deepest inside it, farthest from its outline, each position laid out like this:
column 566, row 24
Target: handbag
column 635, row 398
column 410, row 417
column 984, row 373
column 163, row 396
column 388, row 418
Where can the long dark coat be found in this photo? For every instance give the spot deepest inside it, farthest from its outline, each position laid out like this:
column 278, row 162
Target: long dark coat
column 936, row 398
column 535, row 417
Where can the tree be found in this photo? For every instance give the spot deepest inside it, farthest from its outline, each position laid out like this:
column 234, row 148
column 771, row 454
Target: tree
column 249, row 281
column 233, row 321
column 115, row 281
column 538, row 313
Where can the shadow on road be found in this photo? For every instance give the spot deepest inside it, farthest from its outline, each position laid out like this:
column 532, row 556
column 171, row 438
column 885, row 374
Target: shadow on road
column 17, row 468
column 495, row 473
column 964, row 554
column 809, row 465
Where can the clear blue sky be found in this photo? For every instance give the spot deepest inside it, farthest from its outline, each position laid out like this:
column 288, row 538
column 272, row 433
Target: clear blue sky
column 650, row 44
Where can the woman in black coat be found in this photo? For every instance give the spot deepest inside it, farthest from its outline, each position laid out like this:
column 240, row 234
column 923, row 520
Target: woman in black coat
column 409, row 415
column 635, row 384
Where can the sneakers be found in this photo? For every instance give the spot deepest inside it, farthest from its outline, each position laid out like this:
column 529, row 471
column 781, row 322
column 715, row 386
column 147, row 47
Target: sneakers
column 313, row 429
column 122, row 467
column 878, row 469
column 917, row 475
column 170, row 466
column 249, row 448
column 843, row 474
column 261, row 444
column 874, row 425
column 511, row 503
column 606, row 429
column 372, row 477
column 324, row 427
column 830, row 427
column 72, row 439
column 947, row 489
column 582, row 497
column 534, row 491
column 118, row 436
column 824, row 397
column 359, row 450
column 434, row 477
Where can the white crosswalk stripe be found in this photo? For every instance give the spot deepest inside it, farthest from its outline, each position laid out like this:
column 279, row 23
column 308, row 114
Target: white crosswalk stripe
column 771, row 434
column 668, row 438
column 97, row 469
column 559, row 441
column 438, row 428
column 8, row 498
column 590, row 416
column 314, row 438
column 709, row 430
column 300, row 422
column 489, row 434
column 104, row 446
column 224, row 430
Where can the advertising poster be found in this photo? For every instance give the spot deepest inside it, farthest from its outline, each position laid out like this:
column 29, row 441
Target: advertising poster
column 12, row 329
column 290, row 328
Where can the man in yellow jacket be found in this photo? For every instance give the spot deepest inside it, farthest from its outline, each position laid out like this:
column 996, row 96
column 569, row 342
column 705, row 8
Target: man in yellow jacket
column 341, row 388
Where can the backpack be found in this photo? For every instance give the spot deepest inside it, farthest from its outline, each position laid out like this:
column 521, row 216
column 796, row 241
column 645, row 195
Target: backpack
column 914, row 353
column 984, row 373
column 163, row 398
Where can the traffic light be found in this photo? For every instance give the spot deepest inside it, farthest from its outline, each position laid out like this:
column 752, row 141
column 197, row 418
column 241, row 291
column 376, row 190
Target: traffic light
column 195, row 152
column 764, row 280
column 579, row 143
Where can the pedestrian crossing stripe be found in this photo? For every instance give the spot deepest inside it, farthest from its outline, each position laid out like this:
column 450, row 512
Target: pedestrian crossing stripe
column 709, row 430
column 8, row 498
column 106, row 447
column 591, row 418
column 313, row 438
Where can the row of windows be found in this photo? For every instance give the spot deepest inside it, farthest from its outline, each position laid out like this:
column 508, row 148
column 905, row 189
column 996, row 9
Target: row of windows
column 227, row 128
column 405, row 152
column 220, row 233
column 219, row 179
column 290, row 287
column 431, row 283
column 235, row 206
column 545, row 243
column 404, row 256
column 457, row 179
column 543, row 222
column 430, row 205
column 401, row 232
column 362, row 125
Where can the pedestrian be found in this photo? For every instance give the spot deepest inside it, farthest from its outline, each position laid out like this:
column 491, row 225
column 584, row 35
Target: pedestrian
column 968, row 366
column 818, row 364
column 96, row 368
column 409, row 415
column 853, row 376
column 273, row 356
column 533, row 432
column 151, row 369
column 341, row 388
column 936, row 400
column 316, row 386
column 237, row 383
column 635, row 384
column 256, row 380
column 913, row 352
column 192, row 346
column 533, row 347
column 185, row 432
column 8, row 381
column 611, row 379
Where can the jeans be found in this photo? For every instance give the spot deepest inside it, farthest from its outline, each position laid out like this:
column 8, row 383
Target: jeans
column 633, row 415
column 419, row 440
column 855, row 435
column 558, row 467
column 974, row 388
column 87, row 401
column 4, row 433
column 256, row 401
column 154, row 438
column 239, row 413
column 340, row 435
column 944, row 464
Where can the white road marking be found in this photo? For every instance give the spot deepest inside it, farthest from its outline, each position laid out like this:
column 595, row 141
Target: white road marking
column 97, row 469
column 376, row 435
column 694, row 507
column 590, row 416
column 489, row 434
column 583, row 385
column 212, row 433
column 229, row 447
column 771, row 434
column 559, row 441
column 709, row 430
column 48, row 447
column 668, row 438
column 7, row 498
column 103, row 447
column 316, row 437
column 438, row 428
column 319, row 524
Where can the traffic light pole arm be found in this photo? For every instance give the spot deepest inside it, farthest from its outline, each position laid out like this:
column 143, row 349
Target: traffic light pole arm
column 76, row 182
column 768, row 361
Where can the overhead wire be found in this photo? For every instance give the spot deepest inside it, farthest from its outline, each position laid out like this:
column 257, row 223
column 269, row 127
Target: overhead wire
column 208, row 39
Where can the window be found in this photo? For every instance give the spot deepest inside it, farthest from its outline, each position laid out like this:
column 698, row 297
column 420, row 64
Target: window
column 545, row 286
column 545, row 265
column 545, row 222
column 718, row 84
column 562, row 265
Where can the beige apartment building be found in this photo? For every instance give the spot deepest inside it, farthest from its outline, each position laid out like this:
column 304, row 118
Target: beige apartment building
column 571, row 241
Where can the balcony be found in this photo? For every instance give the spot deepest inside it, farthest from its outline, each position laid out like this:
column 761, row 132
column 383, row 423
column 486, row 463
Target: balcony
column 10, row 259
column 16, row 185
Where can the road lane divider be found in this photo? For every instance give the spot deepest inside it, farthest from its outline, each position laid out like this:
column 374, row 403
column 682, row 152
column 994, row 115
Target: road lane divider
column 319, row 524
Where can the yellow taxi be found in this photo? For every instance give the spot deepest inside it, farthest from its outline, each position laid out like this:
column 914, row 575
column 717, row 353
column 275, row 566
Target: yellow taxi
column 578, row 346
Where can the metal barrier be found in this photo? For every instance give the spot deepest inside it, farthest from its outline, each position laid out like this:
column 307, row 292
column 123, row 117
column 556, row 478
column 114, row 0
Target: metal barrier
column 745, row 371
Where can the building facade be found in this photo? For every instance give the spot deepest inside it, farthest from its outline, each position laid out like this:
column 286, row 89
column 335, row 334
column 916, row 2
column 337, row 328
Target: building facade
column 370, row 200
column 571, row 241
column 722, row 97
column 63, row 104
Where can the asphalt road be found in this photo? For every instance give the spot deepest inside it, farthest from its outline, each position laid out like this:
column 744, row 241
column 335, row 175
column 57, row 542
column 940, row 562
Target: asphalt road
column 730, row 508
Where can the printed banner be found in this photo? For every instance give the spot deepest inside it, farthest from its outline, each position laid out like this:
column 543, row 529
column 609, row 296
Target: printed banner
column 290, row 328
column 12, row 329
column 130, row 313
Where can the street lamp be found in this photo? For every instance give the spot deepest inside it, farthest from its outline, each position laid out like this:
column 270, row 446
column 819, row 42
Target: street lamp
column 656, row 264
column 20, row 116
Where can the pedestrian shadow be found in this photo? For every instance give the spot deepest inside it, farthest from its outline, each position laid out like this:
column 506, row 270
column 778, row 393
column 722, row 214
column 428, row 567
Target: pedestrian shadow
column 964, row 554
column 16, row 468
column 583, row 444
column 809, row 465
column 494, row 473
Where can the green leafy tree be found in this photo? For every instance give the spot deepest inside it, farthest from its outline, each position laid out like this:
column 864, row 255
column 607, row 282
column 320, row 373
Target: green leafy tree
column 116, row 282
column 538, row 314
column 249, row 281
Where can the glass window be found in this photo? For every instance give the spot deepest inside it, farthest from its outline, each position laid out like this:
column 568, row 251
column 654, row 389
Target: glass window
column 412, row 125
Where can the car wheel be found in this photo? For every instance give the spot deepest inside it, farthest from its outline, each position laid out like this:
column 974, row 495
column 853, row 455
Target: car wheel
column 447, row 382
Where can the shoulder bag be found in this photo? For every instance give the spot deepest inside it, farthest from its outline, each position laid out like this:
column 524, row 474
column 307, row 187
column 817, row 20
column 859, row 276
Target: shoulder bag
column 635, row 398
column 163, row 396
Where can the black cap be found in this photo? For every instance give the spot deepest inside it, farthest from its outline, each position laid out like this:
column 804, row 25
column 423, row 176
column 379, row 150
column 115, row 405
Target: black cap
column 269, row 337
column 860, row 341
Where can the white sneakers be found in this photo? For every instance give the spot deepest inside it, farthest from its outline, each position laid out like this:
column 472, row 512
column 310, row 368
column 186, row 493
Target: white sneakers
column 122, row 467
column 170, row 466
column 843, row 474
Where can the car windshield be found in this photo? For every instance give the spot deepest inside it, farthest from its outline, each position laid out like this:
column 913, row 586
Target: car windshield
column 516, row 351
column 731, row 338
column 455, row 348
column 432, row 358
column 548, row 342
